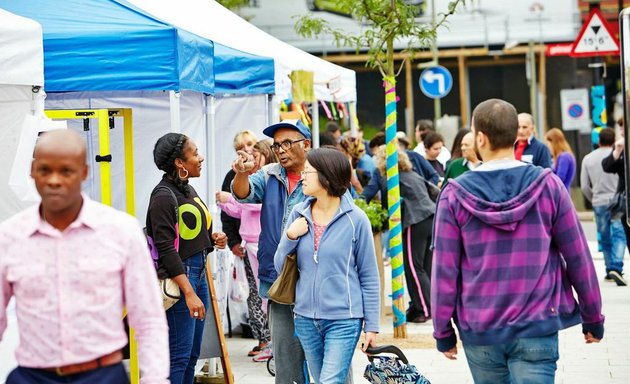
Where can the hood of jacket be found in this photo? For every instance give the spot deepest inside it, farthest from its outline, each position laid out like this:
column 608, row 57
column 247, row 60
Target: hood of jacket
column 500, row 198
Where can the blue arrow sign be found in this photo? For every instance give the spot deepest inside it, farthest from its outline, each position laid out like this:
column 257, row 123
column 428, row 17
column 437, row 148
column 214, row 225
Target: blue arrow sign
column 436, row 82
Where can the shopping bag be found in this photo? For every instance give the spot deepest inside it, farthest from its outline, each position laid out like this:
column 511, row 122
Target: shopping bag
column 391, row 370
column 239, row 288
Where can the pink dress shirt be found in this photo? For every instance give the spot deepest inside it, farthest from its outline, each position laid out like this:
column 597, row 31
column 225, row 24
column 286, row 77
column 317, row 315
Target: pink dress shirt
column 70, row 288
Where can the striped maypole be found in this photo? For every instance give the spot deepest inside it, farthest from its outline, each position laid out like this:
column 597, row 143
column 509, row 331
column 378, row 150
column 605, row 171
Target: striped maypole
column 393, row 202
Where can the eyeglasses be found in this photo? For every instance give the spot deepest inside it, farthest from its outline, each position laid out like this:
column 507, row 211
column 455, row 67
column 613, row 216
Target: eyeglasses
column 286, row 145
column 304, row 173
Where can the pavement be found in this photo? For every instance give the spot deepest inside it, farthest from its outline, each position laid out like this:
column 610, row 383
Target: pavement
column 607, row 362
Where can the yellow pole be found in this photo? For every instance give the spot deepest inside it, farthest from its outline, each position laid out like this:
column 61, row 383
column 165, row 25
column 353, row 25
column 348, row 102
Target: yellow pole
column 130, row 204
column 103, row 150
column 106, row 187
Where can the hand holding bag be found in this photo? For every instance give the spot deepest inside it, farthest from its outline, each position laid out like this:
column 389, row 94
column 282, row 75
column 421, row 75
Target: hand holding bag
column 283, row 289
column 170, row 292
column 617, row 206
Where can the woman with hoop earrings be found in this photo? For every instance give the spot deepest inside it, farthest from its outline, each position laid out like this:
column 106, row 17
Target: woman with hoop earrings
column 178, row 156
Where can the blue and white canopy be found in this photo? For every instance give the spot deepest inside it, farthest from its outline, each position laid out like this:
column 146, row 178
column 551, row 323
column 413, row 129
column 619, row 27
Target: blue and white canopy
column 110, row 45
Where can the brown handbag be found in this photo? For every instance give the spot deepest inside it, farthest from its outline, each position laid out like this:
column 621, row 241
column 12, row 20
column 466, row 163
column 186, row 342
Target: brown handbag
column 282, row 291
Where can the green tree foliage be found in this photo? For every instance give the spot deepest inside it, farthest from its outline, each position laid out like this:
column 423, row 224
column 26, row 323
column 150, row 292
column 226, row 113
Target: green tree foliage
column 234, row 5
column 386, row 21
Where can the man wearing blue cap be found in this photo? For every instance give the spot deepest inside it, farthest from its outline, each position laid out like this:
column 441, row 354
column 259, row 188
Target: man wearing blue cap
column 279, row 188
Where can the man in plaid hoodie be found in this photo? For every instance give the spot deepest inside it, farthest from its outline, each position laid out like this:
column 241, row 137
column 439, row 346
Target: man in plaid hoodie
column 508, row 251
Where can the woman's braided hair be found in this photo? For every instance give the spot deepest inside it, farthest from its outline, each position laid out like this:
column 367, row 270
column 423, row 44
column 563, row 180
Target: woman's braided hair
column 168, row 148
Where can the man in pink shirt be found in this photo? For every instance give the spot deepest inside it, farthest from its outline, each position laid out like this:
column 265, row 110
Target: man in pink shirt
column 72, row 265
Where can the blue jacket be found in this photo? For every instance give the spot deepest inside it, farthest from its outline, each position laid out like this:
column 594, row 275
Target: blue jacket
column 420, row 165
column 270, row 186
column 340, row 280
column 536, row 153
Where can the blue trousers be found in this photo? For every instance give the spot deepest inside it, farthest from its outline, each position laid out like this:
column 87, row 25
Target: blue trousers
column 613, row 238
column 328, row 346
column 114, row 374
column 522, row 361
column 184, row 332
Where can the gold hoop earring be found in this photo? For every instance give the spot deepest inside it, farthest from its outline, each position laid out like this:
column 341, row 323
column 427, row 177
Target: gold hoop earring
column 179, row 173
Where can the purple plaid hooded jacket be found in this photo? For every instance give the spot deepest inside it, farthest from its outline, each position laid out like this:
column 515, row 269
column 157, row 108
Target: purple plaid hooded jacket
column 508, row 252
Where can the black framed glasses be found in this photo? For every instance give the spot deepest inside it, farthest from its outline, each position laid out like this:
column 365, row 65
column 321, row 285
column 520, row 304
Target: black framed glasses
column 286, row 145
column 304, row 173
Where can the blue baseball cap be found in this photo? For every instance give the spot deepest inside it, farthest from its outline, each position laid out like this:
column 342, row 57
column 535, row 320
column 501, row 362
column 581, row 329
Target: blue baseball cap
column 291, row 124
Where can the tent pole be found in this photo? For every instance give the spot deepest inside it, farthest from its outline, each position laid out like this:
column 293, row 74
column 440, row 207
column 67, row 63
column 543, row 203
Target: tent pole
column 315, row 124
column 211, row 155
column 353, row 118
column 270, row 110
column 174, row 104
column 211, row 151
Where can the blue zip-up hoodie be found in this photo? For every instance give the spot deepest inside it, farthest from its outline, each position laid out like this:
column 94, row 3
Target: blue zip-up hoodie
column 270, row 186
column 340, row 280
column 536, row 153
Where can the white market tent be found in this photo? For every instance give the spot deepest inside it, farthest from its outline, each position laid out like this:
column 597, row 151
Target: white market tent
column 211, row 20
column 113, row 55
column 21, row 68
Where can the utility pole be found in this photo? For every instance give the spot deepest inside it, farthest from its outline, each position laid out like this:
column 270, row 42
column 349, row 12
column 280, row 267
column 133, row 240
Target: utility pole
column 437, row 106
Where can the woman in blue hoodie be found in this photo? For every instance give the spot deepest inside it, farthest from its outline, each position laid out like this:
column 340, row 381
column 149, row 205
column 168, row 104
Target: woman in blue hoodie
column 337, row 295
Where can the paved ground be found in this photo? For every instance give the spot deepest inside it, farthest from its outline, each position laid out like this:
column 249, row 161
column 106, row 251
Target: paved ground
column 605, row 363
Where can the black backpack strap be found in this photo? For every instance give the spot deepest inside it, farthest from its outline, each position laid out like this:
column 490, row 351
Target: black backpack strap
column 170, row 191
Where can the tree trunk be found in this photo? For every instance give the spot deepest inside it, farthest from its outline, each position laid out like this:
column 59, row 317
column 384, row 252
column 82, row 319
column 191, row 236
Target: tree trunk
column 393, row 203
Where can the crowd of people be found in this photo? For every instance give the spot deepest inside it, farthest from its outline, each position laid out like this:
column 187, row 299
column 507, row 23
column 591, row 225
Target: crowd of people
column 499, row 193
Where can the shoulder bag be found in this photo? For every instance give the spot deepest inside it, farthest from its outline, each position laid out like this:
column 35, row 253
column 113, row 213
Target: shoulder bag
column 283, row 289
column 169, row 290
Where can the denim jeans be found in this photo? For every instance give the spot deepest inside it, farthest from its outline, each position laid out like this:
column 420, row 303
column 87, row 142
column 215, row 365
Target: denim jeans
column 184, row 332
column 329, row 346
column 613, row 238
column 522, row 361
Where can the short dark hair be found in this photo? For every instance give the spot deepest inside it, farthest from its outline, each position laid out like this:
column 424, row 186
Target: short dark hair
column 424, row 125
column 431, row 138
column 498, row 120
column 606, row 137
column 333, row 169
column 377, row 140
column 326, row 138
column 331, row 127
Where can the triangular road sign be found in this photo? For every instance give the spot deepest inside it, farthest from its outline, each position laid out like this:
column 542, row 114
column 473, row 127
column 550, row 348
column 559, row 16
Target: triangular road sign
column 595, row 38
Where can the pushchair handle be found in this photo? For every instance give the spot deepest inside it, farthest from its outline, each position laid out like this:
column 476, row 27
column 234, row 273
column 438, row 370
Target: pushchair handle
column 386, row 349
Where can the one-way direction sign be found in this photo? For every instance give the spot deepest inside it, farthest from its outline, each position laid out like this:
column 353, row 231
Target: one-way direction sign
column 595, row 38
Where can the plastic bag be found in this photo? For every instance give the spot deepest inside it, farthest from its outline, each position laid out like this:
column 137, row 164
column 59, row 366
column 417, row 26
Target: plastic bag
column 239, row 288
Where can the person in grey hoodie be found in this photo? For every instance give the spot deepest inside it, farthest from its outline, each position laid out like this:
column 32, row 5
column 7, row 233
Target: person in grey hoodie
column 337, row 293
column 599, row 188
